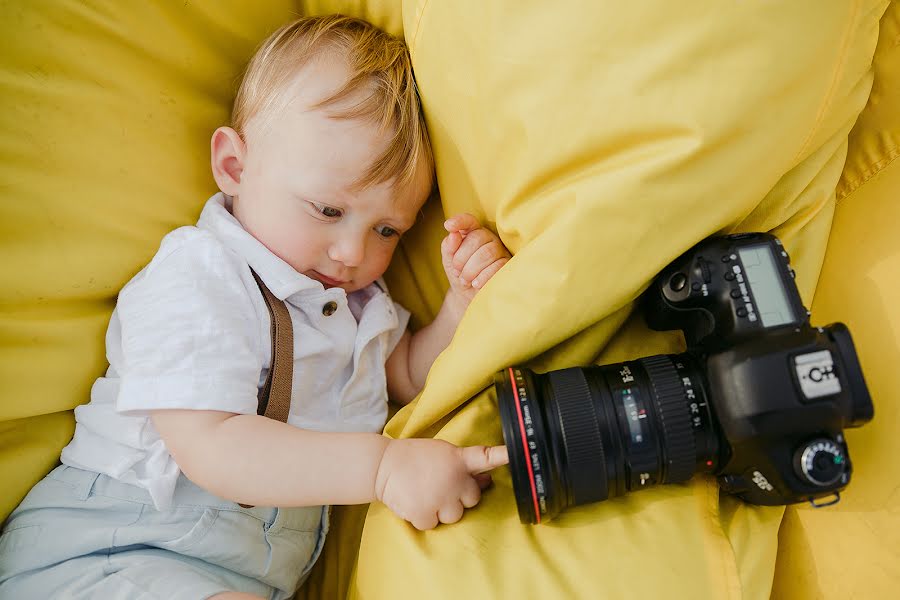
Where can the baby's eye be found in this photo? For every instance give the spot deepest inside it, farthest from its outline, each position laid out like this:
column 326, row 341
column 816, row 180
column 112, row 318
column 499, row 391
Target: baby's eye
column 387, row 232
column 328, row 211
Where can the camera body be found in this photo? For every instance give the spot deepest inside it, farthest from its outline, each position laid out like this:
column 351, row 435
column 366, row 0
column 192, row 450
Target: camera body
column 781, row 390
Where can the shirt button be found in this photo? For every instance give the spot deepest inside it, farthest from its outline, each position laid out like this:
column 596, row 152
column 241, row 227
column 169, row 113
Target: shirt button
column 329, row 308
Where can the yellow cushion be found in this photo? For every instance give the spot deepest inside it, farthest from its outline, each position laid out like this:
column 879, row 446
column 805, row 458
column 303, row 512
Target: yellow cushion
column 107, row 108
column 853, row 549
column 605, row 141
column 602, row 143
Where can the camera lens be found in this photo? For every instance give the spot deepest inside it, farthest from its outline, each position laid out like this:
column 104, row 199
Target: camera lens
column 583, row 435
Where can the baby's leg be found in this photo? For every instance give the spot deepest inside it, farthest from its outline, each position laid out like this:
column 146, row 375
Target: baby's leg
column 81, row 535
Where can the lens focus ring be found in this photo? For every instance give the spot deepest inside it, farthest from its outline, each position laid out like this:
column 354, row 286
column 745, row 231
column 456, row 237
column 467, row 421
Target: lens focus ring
column 671, row 403
column 581, row 435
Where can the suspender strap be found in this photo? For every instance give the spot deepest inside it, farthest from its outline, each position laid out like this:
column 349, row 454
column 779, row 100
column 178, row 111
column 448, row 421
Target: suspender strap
column 275, row 396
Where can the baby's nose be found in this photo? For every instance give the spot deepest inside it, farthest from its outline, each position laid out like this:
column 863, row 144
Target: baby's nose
column 349, row 250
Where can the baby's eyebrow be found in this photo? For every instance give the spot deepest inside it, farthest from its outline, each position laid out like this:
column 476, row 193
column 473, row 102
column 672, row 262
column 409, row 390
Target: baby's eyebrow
column 320, row 198
column 399, row 224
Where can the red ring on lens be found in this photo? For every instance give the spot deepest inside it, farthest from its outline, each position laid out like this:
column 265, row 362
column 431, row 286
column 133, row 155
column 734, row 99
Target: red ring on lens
column 512, row 382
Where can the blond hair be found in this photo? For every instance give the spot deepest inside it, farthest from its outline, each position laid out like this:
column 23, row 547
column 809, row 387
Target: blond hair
column 378, row 63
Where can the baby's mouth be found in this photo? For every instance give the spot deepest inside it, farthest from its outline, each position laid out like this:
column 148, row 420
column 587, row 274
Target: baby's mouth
column 328, row 281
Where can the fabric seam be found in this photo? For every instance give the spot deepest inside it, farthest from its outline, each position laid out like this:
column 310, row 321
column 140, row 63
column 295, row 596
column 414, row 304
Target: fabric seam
column 874, row 170
column 829, row 95
column 417, row 27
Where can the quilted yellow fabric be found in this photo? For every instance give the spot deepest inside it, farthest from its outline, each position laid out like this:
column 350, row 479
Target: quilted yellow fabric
column 600, row 143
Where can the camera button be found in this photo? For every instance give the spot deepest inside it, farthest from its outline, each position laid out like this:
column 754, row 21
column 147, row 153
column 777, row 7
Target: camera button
column 736, row 294
column 741, row 312
column 729, row 276
column 726, row 258
column 677, row 282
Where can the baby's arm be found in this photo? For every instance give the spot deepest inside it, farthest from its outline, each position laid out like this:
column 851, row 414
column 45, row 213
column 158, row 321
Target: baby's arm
column 260, row 461
column 471, row 255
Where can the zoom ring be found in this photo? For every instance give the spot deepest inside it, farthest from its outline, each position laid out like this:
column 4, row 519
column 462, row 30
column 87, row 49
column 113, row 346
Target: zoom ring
column 672, row 408
column 581, row 435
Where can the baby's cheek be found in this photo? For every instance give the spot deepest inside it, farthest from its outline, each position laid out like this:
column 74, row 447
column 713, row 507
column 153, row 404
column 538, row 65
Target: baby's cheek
column 298, row 250
column 381, row 259
column 386, row 259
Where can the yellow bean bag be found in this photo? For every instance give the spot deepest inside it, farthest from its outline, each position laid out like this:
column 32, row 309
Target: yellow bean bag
column 853, row 550
column 600, row 142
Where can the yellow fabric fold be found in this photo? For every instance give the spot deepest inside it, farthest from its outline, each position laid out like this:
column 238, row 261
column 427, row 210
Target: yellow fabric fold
column 601, row 144
column 853, row 548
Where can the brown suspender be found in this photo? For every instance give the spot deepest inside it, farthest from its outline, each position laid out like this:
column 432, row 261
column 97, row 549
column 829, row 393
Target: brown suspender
column 275, row 396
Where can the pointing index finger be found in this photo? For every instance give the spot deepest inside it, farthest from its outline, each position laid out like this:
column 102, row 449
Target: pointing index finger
column 479, row 459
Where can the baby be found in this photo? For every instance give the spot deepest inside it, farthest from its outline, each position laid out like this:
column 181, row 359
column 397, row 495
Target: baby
column 326, row 165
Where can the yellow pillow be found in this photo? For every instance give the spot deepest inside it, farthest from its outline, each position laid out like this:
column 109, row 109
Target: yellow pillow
column 107, row 108
column 602, row 143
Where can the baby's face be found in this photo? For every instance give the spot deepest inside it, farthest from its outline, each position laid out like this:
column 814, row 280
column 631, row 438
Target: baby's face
column 297, row 195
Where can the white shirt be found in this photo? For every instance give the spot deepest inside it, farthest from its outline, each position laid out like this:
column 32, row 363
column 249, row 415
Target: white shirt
column 191, row 331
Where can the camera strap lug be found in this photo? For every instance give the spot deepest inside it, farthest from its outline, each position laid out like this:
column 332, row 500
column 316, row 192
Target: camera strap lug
column 836, row 498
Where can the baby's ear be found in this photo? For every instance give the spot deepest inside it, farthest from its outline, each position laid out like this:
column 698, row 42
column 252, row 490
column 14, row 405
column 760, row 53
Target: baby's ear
column 227, row 158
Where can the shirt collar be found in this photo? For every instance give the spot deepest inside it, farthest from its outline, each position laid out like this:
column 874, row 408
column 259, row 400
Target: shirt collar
column 281, row 278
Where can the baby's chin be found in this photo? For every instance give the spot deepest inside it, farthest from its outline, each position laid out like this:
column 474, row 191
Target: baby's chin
column 354, row 286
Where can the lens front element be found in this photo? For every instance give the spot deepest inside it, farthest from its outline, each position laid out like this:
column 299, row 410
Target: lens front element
column 525, row 441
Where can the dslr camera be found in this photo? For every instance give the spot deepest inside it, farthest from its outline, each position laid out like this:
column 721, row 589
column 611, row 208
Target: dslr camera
column 760, row 398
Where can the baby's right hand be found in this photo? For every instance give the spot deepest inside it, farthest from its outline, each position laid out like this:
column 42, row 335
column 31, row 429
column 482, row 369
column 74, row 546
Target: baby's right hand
column 429, row 481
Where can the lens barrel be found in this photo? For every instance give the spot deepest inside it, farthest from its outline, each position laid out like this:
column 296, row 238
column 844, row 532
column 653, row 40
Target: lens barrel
column 582, row 455
column 582, row 435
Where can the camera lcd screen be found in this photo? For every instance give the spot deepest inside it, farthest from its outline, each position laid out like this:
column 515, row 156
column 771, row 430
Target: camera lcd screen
column 762, row 276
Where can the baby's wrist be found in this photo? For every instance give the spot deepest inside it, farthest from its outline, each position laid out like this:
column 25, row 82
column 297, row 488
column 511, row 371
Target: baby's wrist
column 382, row 471
column 455, row 305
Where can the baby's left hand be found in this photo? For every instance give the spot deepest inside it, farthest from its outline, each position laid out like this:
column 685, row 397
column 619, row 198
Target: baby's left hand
column 471, row 255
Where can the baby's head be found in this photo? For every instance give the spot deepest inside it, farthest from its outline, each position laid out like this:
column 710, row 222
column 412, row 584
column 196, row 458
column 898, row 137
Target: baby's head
column 327, row 159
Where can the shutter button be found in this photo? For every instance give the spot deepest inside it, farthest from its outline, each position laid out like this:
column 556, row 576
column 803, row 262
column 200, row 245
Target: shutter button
column 329, row 308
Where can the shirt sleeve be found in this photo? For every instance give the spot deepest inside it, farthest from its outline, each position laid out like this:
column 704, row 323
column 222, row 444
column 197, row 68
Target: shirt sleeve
column 190, row 334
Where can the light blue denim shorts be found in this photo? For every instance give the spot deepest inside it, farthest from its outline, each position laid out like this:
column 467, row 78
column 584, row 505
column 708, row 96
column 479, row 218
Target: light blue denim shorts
column 79, row 534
